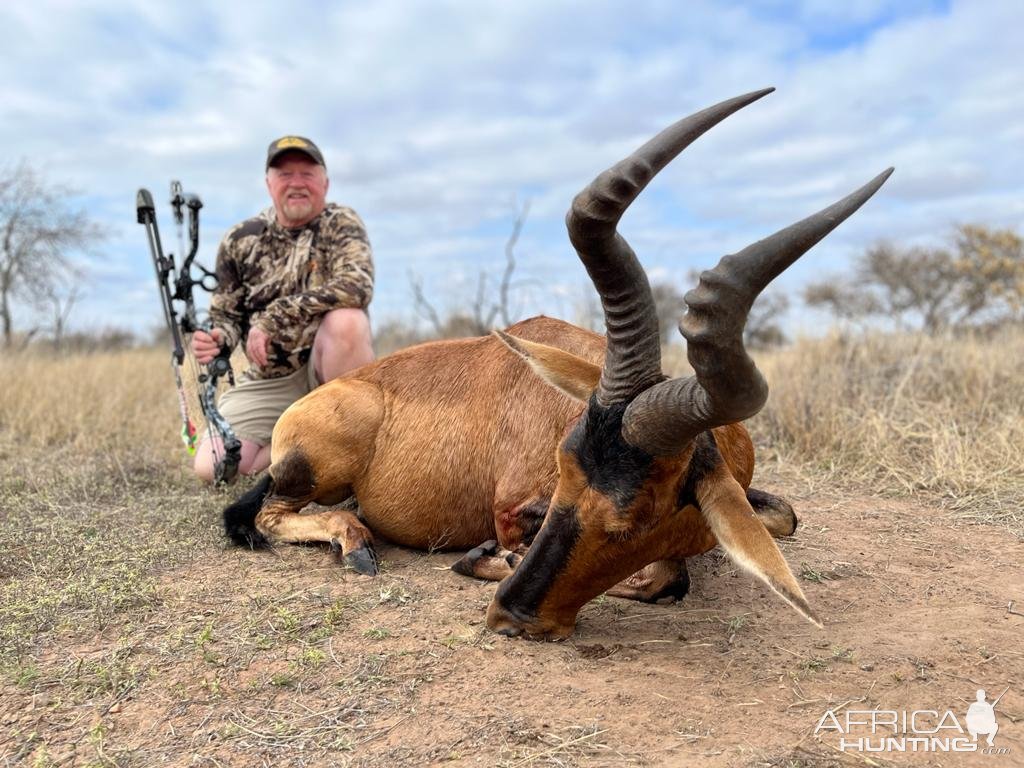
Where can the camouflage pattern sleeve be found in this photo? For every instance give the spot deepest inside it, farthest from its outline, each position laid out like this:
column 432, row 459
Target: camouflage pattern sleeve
column 340, row 277
column 227, row 305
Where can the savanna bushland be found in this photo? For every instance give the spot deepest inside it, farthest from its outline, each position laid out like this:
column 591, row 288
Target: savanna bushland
column 131, row 634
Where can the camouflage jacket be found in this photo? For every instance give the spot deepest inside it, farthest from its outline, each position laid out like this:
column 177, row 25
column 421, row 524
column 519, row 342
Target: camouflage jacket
column 283, row 281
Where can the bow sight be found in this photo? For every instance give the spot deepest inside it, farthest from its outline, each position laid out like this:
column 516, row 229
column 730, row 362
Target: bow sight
column 177, row 286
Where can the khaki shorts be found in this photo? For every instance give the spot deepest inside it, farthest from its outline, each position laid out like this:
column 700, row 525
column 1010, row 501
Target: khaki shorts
column 253, row 406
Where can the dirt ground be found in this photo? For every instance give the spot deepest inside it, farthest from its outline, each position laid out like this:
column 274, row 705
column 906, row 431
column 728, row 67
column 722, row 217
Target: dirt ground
column 242, row 658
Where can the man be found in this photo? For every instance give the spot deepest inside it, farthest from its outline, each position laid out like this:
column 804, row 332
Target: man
column 294, row 284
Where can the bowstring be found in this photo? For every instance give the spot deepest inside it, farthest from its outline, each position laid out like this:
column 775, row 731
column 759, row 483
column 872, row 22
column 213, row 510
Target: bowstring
column 217, row 447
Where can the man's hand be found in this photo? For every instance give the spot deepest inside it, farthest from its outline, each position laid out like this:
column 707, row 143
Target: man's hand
column 206, row 346
column 256, row 346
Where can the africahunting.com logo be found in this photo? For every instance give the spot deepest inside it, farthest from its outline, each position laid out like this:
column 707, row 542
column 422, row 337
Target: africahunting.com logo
column 923, row 730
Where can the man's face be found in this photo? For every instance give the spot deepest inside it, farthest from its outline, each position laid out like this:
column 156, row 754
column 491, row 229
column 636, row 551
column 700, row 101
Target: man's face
column 298, row 187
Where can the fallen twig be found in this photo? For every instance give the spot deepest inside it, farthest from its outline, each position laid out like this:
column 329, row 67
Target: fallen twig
column 557, row 747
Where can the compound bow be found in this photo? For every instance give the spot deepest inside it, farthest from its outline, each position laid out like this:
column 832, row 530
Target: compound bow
column 177, row 286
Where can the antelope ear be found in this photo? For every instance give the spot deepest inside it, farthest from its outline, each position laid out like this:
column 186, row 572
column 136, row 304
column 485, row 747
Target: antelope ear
column 746, row 541
column 563, row 370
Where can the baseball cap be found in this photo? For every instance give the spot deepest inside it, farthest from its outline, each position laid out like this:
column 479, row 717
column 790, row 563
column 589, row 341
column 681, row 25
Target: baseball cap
column 294, row 144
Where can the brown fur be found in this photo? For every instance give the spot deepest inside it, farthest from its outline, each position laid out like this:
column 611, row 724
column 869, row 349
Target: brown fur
column 439, row 440
column 744, row 536
column 597, row 542
column 446, row 443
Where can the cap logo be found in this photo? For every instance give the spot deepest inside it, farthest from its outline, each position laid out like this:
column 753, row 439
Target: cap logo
column 291, row 141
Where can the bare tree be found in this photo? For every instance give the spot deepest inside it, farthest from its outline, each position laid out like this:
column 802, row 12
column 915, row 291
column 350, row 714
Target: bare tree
column 38, row 228
column 424, row 308
column 843, row 299
column 669, row 307
column 510, row 264
column 61, row 302
column 483, row 309
column 979, row 280
column 764, row 323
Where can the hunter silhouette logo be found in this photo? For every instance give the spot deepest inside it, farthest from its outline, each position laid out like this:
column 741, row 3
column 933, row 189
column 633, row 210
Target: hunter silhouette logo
column 981, row 717
column 921, row 730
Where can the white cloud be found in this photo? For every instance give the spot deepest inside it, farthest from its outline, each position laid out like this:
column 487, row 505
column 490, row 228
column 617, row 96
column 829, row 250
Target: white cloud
column 434, row 117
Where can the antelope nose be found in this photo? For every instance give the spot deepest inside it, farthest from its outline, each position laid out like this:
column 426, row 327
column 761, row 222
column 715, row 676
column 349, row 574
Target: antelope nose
column 502, row 621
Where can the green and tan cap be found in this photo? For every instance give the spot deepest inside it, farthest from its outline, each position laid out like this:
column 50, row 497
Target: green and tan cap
column 294, row 144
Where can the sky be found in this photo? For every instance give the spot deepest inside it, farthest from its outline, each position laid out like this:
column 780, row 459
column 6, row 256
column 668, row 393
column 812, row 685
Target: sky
column 439, row 119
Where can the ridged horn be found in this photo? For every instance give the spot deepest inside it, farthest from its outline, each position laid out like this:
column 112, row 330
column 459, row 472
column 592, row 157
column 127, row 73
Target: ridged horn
column 633, row 357
column 726, row 386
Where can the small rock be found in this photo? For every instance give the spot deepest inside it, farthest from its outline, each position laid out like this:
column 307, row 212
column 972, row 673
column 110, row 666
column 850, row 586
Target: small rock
column 868, row 667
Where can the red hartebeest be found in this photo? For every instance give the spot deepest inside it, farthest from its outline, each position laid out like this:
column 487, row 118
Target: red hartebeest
column 625, row 471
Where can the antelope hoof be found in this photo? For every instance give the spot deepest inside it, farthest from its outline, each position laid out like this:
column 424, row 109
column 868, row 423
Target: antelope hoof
column 775, row 512
column 464, row 566
column 362, row 560
column 673, row 591
column 664, row 581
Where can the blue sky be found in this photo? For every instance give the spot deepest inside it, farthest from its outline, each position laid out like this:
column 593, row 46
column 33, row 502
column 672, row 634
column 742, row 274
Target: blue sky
column 437, row 118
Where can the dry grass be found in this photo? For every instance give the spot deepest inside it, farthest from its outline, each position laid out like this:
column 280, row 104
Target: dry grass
column 105, row 401
column 907, row 415
column 116, row 401
column 94, row 492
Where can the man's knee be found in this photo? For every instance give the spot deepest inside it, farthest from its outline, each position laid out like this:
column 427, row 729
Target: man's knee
column 349, row 326
column 254, row 459
column 342, row 343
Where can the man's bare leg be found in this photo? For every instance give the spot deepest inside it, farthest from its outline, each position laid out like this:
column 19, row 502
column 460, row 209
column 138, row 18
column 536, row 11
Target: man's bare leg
column 255, row 458
column 342, row 343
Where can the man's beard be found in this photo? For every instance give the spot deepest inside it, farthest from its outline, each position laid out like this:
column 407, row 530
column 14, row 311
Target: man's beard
column 297, row 208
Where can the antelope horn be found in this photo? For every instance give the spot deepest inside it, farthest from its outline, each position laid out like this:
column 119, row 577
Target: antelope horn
column 633, row 357
column 726, row 387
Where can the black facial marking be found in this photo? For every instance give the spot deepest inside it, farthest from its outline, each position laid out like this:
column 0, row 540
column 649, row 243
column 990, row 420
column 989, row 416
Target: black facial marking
column 522, row 593
column 704, row 460
column 611, row 465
